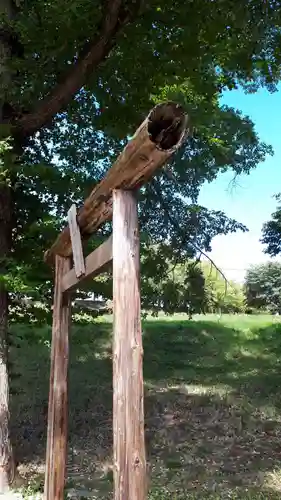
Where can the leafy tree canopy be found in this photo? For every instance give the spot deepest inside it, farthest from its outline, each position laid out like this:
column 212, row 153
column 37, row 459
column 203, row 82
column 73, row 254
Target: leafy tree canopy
column 191, row 287
column 222, row 296
column 263, row 286
column 271, row 232
column 79, row 78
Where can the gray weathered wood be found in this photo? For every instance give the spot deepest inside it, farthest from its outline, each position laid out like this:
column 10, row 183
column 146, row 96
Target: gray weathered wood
column 76, row 242
column 96, row 263
column 58, row 395
column 128, row 414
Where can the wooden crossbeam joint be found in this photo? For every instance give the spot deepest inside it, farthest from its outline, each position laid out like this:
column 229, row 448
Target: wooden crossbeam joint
column 95, row 263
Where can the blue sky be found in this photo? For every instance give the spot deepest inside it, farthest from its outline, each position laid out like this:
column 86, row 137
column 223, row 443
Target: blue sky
column 250, row 200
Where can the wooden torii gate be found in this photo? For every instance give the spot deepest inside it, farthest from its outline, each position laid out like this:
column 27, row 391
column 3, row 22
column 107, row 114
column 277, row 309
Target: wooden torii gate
column 153, row 143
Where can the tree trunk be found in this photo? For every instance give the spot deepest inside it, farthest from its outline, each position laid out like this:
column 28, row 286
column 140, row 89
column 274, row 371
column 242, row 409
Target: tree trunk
column 6, row 455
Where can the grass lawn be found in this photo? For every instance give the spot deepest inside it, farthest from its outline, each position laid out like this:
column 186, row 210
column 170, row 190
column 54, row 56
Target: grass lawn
column 213, row 403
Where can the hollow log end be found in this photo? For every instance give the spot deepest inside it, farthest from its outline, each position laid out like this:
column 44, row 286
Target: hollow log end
column 167, row 125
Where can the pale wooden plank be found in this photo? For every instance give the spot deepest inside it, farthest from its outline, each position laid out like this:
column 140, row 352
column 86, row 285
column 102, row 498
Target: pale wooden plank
column 95, row 264
column 76, row 242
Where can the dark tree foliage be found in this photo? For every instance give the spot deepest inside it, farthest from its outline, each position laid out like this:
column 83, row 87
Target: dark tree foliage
column 87, row 74
column 271, row 232
column 263, row 287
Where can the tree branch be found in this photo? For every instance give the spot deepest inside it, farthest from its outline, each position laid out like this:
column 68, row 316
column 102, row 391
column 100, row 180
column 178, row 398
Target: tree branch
column 184, row 235
column 93, row 53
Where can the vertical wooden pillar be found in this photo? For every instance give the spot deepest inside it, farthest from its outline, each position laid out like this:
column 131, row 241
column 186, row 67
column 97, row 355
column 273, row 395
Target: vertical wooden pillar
column 128, row 414
column 58, row 400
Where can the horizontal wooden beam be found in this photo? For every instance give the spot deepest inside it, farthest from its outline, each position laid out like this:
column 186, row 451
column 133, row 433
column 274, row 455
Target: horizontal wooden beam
column 153, row 143
column 95, row 264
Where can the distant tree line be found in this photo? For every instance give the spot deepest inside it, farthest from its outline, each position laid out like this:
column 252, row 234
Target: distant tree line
column 263, row 287
column 192, row 287
column 263, row 282
column 199, row 287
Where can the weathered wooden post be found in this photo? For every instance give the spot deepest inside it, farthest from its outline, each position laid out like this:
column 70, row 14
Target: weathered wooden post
column 58, row 395
column 154, row 142
column 128, row 414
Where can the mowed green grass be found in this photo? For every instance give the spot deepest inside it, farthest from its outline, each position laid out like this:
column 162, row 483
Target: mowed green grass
column 212, row 407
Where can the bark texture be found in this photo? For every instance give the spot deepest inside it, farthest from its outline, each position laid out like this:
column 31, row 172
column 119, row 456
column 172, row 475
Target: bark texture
column 58, row 395
column 6, row 454
column 128, row 412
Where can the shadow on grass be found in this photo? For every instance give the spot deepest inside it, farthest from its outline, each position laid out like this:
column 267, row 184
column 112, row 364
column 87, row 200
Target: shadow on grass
column 212, row 426
column 210, row 353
